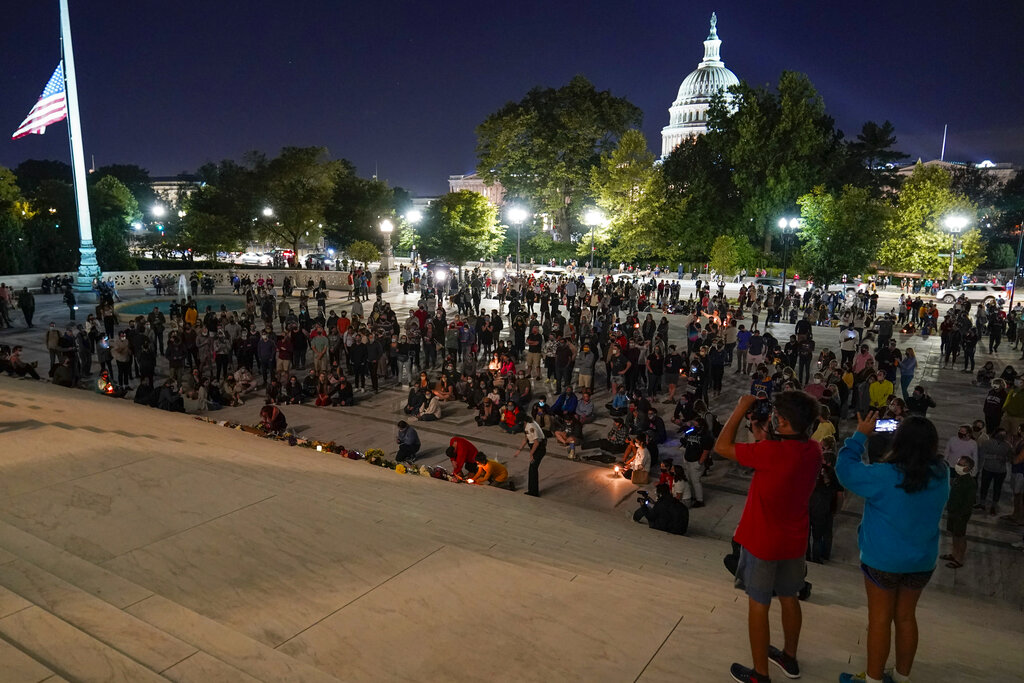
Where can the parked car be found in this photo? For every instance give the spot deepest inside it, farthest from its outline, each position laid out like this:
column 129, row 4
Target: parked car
column 974, row 292
column 251, row 258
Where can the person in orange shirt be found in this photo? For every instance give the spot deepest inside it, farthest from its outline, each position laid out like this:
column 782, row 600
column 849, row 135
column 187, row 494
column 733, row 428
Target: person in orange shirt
column 492, row 473
column 343, row 323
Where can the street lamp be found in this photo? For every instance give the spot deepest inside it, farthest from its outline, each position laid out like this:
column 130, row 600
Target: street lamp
column 386, row 228
column 268, row 212
column 413, row 217
column 517, row 215
column 593, row 218
column 159, row 211
column 954, row 226
column 788, row 226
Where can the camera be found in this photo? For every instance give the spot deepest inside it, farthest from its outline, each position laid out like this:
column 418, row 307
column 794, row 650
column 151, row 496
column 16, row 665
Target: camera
column 644, row 499
column 762, row 410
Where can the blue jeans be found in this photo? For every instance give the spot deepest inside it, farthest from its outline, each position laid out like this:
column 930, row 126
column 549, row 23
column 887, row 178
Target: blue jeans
column 905, row 381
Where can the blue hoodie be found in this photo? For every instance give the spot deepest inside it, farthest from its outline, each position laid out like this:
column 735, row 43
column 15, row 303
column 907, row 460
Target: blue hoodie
column 899, row 532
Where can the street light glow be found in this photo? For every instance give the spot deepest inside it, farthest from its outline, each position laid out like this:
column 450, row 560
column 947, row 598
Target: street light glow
column 593, row 217
column 517, row 214
column 267, row 211
column 414, row 216
column 956, row 223
column 386, row 226
column 159, row 210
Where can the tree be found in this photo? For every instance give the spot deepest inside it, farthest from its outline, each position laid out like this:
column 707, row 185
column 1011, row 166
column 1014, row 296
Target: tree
column 840, row 232
column 135, row 178
column 875, row 158
column 51, row 230
column 14, row 256
column 364, row 251
column 113, row 209
column 778, row 145
column 723, row 255
column 460, row 226
column 297, row 186
column 914, row 236
column 357, row 206
column 1001, row 255
column 542, row 148
column 629, row 187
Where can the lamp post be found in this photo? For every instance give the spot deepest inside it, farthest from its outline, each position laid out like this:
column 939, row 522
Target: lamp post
column 788, row 226
column 954, row 226
column 593, row 218
column 517, row 215
column 386, row 228
column 414, row 216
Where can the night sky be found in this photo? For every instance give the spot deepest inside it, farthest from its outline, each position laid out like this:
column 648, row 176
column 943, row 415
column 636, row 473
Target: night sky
column 400, row 86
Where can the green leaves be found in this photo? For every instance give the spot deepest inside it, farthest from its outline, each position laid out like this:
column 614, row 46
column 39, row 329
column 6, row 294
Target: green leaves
column 839, row 232
column 914, row 235
column 543, row 147
column 460, row 226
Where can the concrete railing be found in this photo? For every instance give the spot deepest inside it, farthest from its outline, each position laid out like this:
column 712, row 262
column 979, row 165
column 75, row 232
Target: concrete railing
column 143, row 279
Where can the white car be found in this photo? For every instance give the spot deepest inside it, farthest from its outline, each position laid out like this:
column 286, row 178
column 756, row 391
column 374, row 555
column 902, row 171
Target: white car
column 974, row 292
column 251, row 258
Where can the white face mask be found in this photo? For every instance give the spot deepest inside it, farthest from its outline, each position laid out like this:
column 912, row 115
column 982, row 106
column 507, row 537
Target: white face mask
column 960, row 469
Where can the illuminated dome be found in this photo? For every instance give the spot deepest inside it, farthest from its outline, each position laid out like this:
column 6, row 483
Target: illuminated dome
column 688, row 114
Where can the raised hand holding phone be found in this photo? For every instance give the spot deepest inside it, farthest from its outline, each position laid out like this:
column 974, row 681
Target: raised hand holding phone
column 866, row 424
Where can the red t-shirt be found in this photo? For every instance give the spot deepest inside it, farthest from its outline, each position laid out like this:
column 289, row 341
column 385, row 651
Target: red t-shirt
column 774, row 525
column 465, row 452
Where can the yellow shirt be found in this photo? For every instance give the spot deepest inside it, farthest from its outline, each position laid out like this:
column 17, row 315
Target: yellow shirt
column 824, row 429
column 191, row 316
column 492, row 470
column 879, row 393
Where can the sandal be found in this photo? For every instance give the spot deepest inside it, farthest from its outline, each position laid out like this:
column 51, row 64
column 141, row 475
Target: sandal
column 954, row 564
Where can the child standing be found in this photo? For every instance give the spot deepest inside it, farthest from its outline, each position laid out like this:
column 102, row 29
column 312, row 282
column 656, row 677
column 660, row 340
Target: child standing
column 963, row 492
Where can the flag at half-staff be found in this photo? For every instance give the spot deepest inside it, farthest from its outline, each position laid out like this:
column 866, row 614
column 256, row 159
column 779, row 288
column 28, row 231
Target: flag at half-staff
column 51, row 107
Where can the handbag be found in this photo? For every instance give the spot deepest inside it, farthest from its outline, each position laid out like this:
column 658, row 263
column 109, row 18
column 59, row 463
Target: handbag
column 640, row 477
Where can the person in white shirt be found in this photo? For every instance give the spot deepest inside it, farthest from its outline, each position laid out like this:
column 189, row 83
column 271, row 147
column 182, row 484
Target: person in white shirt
column 533, row 436
column 961, row 446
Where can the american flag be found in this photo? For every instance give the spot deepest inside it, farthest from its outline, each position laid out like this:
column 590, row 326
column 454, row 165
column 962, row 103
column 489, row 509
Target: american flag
column 50, row 108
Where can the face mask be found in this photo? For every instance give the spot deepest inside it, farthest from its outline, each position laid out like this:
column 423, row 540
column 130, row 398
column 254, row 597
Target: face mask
column 961, row 470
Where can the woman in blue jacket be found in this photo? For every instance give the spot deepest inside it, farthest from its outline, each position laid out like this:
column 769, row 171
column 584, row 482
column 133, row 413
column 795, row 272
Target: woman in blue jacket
column 904, row 496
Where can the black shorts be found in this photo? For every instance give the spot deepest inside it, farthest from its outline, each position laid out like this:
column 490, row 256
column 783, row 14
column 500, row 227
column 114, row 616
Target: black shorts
column 890, row 581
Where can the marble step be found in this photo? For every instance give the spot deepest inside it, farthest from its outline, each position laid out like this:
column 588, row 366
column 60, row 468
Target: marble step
column 18, row 667
column 105, row 608
column 68, row 651
column 147, row 645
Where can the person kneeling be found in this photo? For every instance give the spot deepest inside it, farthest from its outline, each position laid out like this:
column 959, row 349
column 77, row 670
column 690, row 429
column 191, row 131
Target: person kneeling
column 492, row 473
column 638, row 461
column 665, row 514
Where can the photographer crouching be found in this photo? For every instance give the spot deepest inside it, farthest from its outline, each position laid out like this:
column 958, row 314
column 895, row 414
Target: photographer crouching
column 665, row 514
column 774, row 526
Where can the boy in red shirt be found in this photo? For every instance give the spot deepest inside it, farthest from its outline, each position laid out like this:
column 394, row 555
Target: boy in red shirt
column 460, row 451
column 774, row 527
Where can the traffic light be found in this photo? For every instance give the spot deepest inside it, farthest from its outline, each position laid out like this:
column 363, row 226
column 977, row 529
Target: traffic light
column 160, row 227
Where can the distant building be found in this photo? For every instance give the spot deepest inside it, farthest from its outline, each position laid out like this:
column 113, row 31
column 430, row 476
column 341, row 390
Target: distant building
column 171, row 188
column 1003, row 172
column 472, row 181
column 688, row 115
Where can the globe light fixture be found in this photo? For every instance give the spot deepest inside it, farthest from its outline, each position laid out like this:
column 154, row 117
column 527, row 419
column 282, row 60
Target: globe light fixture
column 267, row 211
column 414, row 216
column 517, row 215
column 159, row 211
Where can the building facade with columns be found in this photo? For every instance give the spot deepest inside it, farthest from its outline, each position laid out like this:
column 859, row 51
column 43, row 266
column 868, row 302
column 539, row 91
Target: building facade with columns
column 688, row 115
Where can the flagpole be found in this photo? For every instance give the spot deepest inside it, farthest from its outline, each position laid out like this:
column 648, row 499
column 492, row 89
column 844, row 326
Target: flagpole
column 88, row 268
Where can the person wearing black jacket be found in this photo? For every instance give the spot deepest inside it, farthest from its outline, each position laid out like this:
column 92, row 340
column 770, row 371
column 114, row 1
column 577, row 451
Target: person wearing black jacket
column 665, row 514
column 920, row 401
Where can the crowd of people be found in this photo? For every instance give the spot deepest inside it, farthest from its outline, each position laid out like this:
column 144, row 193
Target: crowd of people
column 534, row 364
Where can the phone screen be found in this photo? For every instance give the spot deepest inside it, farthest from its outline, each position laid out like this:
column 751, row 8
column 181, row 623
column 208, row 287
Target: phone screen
column 886, row 425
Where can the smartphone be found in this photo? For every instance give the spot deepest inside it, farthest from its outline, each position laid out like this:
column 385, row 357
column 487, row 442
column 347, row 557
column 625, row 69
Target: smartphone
column 886, row 425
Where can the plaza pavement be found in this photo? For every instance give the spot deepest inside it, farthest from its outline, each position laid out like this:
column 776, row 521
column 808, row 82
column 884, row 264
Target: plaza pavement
column 150, row 540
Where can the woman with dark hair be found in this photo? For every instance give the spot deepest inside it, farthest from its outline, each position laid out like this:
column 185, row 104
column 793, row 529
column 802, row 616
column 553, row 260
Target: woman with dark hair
column 904, row 496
